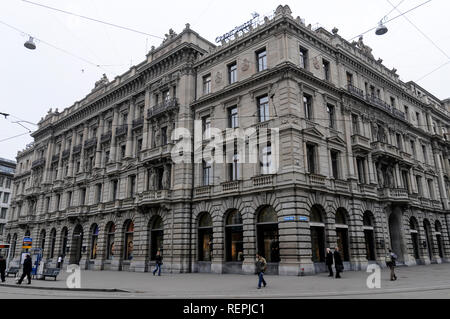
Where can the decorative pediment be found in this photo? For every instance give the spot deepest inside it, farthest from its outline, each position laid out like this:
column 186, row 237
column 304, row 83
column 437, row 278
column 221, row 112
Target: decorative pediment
column 313, row 132
column 336, row 140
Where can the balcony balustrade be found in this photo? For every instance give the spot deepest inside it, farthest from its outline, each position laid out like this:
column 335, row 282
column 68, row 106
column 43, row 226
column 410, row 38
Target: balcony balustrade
column 397, row 194
column 38, row 163
column 167, row 105
column 361, row 143
column 203, row 191
column 376, row 101
column 340, row 185
column 90, row 143
column 66, row 154
column 77, row 149
column 316, row 180
column 232, row 186
column 263, row 181
column 355, row 91
column 121, row 130
column 55, row 158
column 138, row 123
column 106, row 137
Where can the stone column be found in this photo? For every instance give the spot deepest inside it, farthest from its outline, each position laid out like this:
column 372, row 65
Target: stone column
column 145, row 131
column 140, row 249
column 129, row 145
column 112, row 152
column 85, row 138
column 48, row 162
column 441, row 181
column 60, row 162
column 71, row 168
column 98, row 153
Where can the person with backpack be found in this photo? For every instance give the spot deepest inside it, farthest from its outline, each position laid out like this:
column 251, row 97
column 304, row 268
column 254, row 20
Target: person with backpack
column 261, row 267
column 391, row 263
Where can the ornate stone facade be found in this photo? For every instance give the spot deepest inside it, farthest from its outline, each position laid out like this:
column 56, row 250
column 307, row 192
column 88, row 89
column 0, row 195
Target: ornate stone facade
column 362, row 160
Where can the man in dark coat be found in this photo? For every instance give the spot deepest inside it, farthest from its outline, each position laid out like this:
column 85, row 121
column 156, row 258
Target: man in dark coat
column 261, row 267
column 2, row 268
column 27, row 268
column 339, row 265
column 158, row 260
column 329, row 262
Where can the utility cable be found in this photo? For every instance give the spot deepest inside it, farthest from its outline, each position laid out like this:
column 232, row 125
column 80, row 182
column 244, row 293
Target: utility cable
column 92, row 19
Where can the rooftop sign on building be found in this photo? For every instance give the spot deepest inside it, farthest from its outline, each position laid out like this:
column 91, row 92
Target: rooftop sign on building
column 242, row 28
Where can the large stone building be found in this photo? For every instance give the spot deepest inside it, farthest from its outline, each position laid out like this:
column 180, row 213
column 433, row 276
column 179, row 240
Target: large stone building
column 7, row 168
column 344, row 154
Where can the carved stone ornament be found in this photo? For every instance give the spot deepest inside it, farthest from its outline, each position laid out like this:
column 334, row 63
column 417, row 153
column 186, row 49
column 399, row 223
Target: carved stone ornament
column 219, row 77
column 245, row 65
column 316, row 63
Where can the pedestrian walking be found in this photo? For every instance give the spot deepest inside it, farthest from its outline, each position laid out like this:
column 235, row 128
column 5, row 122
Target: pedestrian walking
column 391, row 263
column 329, row 262
column 261, row 267
column 2, row 268
column 59, row 261
column 158, row 259
column 27, row 268
column 338, row 264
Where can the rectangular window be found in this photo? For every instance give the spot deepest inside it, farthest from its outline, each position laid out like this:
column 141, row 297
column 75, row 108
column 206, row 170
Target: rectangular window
column 123, row 151
column 82, row 196
column 115, row 185
column 3, row 213
column 355, row 124
column 164, row 139
column 303, row 58
column 419, row 185
column 335, row 164
column 132, row 186
column 407, row 113
column 307, row 104
column 349, row 79
column 8, row 183
column 399, row 142
column 263, row 109
column 431, row 189
column 233, row 120
column 206, row 173
column 58, row 201
column 207, row 84
column 418, row 119
column 331, row 115
column 266, row 163
column 326, row 69
column 166, row 95
column 206, row 123
column 99, row 193
column 234, row 166
column 393, row 102
column 47, row 204
column 311, row 157
column 405, row 181
column 232, row 73
column 413, row 149
column 425, row 155
column 361, row 165
column 5, row 198
column 69, row 199
column 262, row 60
column 139, row 147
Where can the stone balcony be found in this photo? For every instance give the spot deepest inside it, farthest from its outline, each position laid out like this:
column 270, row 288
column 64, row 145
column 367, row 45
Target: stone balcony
column 153, row 197
column 58, row 184
column 426, row 202
column 77, row 149
column 90, row 143
column 55, row 158
column 383, row 149
column 138, row 123
column 379, row 103
column 355, row 91
column 81, row 177
column 230, row 187
column 38, row 163
column 369, row 190
column 203, row 191
column 340, row 185
column 106, row 137
column 157, row 152
column 263, row 181
column 407, row 158
column 121, row 130
column 361, row 143
column 113, row 168
column 397, row 195
column 66, row 154
column 166, row 106
column 25, row 220
column 437, row 204
column 316, row 180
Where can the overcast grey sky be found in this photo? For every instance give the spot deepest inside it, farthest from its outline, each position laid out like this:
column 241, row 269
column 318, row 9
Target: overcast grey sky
column 32, row 82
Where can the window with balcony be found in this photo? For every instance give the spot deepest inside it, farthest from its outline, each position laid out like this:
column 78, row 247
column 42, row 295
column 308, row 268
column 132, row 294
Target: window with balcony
column 393, row 102
column 132, row 186
column 99, row 193
column 399, row 142
column 407, row 113
column 419, row 185
column 83, row 196
column 207, row 84
column 307, row 106
column 166, row 96
column 413, row 149
column 266, row 160
column 431, row 189
column 232, row 73
column 303, row 58
column 115, row 188
column 164, row 139
column 123, row 151
column 233, row 167
column 261, row 57
column 405, row 181
column 355, row 124
column 263, row 109
column 425, row 154
column 233, row 119
column 331, row 116
column 335, row 164
column 69, row 199
column 311, row 153
column 58, row 202
column 349, row 79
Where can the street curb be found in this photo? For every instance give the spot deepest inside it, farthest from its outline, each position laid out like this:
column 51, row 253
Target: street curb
column 65, row 289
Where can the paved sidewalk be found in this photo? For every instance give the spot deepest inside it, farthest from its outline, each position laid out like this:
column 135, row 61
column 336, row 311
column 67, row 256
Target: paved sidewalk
column 416, row 280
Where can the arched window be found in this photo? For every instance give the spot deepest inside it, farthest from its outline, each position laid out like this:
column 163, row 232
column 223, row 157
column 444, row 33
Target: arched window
column 205, row 238
column 77, row 245
column 129, row 230
column 317, row 228
column 342, row 233
column 64, row 238
column 157, row 237
column 267, row 235
column 52, row 242
column 110, row 241
column 94, row 241
column 369, row 236
column 234, row 237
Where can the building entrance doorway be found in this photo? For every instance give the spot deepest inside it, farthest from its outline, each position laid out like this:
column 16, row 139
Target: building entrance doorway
column 77, row 245
column 395, row 235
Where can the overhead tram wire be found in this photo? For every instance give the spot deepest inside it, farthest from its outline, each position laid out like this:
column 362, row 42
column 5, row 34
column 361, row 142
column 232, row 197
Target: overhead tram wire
column 396, row 17
column 92, row 19
column 58, row 48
